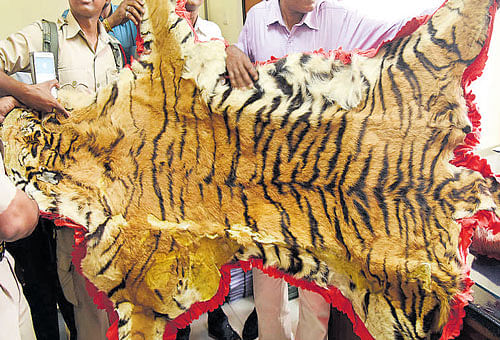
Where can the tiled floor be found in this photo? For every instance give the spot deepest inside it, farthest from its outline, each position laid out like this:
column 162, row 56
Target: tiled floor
column 237, row 313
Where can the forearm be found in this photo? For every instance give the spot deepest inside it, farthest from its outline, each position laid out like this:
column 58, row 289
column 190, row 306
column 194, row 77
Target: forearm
column 18, row 212
column 20, row 218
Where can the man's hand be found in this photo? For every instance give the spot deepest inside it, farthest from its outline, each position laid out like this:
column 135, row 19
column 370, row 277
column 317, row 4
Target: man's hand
column 7, row 104
column 241, row 71
column 39, row 97
column 128, row 10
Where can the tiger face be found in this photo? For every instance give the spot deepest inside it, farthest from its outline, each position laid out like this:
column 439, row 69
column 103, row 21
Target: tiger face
column 335, row 174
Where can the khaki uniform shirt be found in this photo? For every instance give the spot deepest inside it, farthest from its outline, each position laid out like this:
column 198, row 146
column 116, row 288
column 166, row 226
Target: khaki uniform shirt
column 79, row 65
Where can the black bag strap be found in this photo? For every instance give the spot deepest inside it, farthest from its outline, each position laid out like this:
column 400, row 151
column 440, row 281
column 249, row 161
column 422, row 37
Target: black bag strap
column 118, row 54
column 51, row 41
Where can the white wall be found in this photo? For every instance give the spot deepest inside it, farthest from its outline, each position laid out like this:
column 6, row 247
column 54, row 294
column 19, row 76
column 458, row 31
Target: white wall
column 228, row 14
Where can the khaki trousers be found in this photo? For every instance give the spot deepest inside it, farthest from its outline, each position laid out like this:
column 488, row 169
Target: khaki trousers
column 91, row 322
column 15, row 315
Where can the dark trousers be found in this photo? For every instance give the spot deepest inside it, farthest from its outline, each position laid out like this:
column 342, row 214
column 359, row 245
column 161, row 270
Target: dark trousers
column 36, row 268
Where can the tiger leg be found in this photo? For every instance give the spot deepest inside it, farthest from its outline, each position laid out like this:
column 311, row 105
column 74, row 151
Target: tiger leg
column 139, row 323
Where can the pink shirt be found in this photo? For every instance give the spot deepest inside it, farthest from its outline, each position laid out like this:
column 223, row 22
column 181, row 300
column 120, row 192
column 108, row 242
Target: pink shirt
column 328, row 26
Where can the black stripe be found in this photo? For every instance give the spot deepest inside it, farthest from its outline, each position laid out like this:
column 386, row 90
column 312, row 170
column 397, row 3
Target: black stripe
column 324, row 204
column 112, row 243
column 187, row 37
column 174, row 25
column 297, row 134
column 225, row 95
column 276, row 171
column 364, row 215
column 183, row 138
column 313, row 227
column 444, row 144
column 295, row 103
column 409, row 74
column 249, row 221
column 154, row 170
column 426, row 63
column 157, row 292
column 181, row 207
column 319, row 152
column 261, row 123
column 111, row 100
column 359, row 187
column 397, row 95
column 150, row 256
column 380, row 188
column 106, row 266
column 338, row 145
column 255, row 96
column 345, row 210
column 96, row 235
column 339, row 236
column 231, row 178
column 226, row 123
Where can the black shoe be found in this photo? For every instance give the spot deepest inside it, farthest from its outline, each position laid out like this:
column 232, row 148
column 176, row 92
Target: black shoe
column 219, row 327
column 183, row 334
column 251, row 327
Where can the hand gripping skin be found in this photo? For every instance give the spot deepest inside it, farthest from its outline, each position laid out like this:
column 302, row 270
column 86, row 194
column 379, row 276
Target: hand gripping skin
column 337, row 175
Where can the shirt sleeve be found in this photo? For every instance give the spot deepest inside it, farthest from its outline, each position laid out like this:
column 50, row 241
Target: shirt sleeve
column 15, row 49
column 245, row 39
column 364, row 33
column 7, row 189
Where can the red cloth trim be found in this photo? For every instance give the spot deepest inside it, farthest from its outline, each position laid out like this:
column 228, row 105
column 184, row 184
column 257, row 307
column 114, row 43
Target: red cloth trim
column 139, row 43
column 338, row 54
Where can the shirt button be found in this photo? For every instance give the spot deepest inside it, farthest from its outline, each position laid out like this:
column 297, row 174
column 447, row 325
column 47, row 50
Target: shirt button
column 73, row 83
column 98, row 85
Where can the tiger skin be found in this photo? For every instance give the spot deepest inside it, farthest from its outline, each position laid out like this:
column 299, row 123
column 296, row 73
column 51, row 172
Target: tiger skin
column 335, row 174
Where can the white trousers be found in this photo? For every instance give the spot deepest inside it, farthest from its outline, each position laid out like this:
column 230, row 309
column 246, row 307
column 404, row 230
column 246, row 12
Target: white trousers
column 15, row 315
column 271, row 303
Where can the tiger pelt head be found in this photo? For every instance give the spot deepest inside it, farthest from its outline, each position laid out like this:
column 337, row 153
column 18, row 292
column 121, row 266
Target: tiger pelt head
column 335, row 174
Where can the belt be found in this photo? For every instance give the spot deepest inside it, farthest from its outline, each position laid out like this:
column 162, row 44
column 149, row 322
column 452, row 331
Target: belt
column 2, row 250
